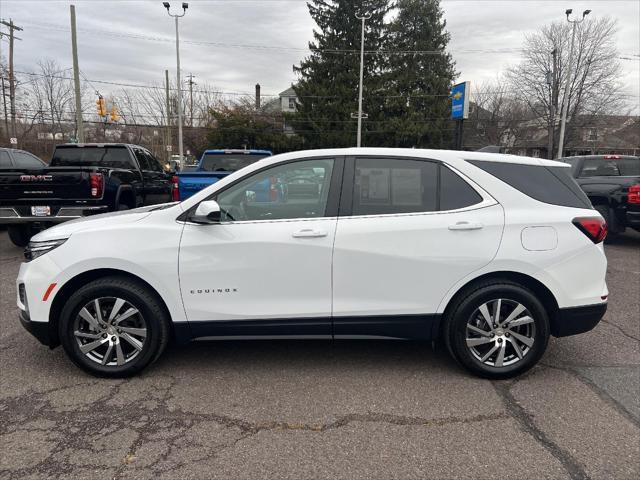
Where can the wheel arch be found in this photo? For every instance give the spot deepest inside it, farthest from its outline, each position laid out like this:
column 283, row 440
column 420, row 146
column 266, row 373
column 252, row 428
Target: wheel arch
column 546, row 297
column 126, row 196
column 83, row 278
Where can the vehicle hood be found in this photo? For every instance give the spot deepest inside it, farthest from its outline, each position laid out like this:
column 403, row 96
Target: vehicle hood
column 64, row 230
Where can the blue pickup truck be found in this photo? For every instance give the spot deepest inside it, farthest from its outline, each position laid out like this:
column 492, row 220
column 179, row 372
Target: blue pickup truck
column 215, row 165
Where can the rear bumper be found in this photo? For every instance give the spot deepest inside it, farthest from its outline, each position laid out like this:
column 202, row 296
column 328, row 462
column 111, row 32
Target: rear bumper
column 575, row 320
column 10, row 215
column 40, row 330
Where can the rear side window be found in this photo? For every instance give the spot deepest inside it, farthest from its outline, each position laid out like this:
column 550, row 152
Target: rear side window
column 111, row 157
column 384, row 186
column 553, row 185
column 610, row 167
column 5, row 161
column 26, row 160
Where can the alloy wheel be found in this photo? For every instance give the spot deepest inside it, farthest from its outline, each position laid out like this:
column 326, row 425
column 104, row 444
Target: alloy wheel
column 110, row 331
column 500, row 333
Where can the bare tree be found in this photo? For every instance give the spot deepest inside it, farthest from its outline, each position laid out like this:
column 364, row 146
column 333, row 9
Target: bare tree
column 499, row 116
column 594, row 75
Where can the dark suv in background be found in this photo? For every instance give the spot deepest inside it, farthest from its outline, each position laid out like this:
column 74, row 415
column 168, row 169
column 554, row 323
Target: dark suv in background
column 612, row 183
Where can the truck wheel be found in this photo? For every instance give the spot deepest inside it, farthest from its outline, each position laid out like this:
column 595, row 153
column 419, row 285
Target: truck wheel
column 20, row 234
column 612, row 227
column 113, row 327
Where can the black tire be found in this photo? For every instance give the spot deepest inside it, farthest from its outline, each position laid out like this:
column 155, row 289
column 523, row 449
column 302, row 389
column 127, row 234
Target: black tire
column 613, row 229
column 152, row 313
column 122, row 206
column 20, row 235
column 463, row 310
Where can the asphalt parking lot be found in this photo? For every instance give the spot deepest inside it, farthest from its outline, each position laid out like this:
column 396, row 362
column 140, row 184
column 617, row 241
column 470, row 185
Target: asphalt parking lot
column 294, row 409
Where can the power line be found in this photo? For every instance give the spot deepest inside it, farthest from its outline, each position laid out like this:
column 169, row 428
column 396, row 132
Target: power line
column 251, row 94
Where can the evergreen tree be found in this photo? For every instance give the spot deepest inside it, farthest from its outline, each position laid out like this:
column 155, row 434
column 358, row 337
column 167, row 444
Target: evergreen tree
column 327, row 89
column 418, row 84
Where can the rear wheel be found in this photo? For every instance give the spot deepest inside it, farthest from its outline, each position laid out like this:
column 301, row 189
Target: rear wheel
column 613, row 229
column 498, row 330
column 20, row 234
column 113, row 327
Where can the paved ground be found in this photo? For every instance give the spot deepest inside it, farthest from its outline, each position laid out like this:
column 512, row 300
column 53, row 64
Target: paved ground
column 320, row 410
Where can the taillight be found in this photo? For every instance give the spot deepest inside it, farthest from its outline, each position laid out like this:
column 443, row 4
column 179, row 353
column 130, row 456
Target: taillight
column 96, row 182
column 634, row 195
column 593, row 227
column 175, row 190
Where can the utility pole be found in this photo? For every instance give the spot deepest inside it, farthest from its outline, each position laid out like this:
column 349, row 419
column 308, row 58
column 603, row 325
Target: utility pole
column 359, row 138
column 551, row 82
column 565, row 98
column 4, row 95
column 168, row 119
column 179, row 81
column 12, row 80
column 191, row 84
column 76, row 76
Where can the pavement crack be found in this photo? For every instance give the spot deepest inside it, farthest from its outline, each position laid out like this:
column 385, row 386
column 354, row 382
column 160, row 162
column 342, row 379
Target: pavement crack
column 525, row 419
column 621, row 330
column 600, row 392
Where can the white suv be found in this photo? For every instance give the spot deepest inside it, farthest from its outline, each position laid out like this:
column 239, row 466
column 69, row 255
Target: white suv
column 492, row 253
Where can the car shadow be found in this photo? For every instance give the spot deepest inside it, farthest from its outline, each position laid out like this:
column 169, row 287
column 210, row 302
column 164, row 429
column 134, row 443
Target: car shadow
column 295, row 354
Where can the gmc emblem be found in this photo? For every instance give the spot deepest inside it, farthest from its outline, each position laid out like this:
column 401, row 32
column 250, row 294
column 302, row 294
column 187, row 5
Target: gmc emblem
column 36, row 178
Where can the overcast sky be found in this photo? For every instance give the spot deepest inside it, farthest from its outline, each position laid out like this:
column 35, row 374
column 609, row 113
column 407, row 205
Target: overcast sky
column 232, row 44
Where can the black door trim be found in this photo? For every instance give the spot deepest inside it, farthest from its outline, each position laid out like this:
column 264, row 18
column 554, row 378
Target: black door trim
column 402, row 327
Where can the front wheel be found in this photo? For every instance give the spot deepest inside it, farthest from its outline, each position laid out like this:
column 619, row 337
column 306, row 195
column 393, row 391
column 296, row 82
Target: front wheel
column 20, row 234
column 113, row 327
column 498, row 330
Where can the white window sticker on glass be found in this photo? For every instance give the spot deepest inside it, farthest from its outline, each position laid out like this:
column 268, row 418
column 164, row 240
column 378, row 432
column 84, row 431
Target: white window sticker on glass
column 406, row 186
column 374, row 186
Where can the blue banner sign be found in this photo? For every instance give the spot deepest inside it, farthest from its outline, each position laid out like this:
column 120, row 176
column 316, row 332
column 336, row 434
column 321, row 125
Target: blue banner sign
column 460, row 101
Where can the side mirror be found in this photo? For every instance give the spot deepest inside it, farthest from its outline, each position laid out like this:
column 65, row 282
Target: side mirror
column 208, row 211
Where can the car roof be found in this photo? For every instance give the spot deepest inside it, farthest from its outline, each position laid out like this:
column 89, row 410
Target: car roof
column 238, row 150
column 432, row 154
column 96, row 144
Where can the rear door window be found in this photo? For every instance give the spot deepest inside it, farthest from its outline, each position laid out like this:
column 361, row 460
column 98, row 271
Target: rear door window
column 388, row 185
column 455, row 192
column 553, row 185
column 610, row 167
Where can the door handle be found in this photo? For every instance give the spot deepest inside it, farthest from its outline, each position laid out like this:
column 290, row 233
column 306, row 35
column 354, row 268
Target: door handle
column 466, row 226
column 309, row 233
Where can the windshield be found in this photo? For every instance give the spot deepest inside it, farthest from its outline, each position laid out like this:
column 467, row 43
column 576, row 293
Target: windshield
column 220, row 162
column 112, row 157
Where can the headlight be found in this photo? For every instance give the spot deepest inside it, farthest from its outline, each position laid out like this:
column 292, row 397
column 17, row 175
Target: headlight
column 36, row 249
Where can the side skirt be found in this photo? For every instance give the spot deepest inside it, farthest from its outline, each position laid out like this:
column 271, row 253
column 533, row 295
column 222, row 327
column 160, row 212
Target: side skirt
column 397, row 327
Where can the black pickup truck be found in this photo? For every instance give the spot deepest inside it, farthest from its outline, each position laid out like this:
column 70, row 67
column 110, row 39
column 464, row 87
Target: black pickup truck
column 81, row 180
column 612, row 183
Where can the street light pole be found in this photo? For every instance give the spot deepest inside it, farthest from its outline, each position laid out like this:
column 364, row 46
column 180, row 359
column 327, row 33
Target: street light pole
column 178, row 77
column 565, row 98
column 359, row 139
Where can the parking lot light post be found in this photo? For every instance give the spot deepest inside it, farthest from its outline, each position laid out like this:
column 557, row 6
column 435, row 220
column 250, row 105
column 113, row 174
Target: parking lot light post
column 178, row 80
column 359, row 139
column 565, row 98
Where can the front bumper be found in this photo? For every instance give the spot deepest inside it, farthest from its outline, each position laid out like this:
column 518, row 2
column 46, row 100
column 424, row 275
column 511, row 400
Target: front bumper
column 11, row 215
column 575, row 320
column 40, row 330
